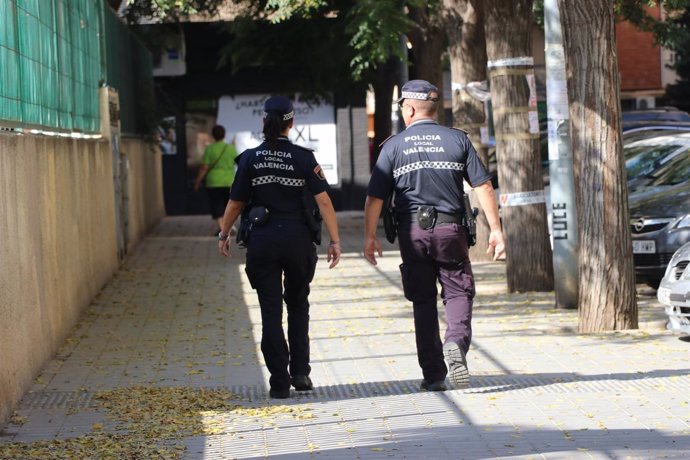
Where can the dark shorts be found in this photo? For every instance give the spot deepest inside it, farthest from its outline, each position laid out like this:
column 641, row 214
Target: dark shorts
column 218, row 197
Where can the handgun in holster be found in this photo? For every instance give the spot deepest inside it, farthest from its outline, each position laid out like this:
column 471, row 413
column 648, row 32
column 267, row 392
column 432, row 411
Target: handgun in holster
column 469, row 220
column 390, row 220
column 312, row 216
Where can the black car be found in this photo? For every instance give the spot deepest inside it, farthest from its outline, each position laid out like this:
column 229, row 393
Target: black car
column 644, row 156
column 660, row 219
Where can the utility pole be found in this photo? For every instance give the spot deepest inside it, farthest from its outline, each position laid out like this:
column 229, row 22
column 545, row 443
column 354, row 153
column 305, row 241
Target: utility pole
column 403, row 77
column 562, row 182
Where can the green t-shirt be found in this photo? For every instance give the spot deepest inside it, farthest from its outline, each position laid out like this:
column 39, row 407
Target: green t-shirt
column 222, row 157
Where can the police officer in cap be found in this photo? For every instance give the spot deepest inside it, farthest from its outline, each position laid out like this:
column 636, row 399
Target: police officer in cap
column 425, row 166
column 274, row 179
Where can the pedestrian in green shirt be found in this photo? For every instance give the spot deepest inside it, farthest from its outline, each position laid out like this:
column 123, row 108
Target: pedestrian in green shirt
column 218, row 172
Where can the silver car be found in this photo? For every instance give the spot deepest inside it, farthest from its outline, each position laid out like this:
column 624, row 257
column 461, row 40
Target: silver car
column 674, row 290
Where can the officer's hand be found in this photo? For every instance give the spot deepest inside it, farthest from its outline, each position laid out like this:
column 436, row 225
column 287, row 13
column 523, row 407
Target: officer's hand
column 333, row 254
column 224, row 247
column 497, row 244
column 372, row 246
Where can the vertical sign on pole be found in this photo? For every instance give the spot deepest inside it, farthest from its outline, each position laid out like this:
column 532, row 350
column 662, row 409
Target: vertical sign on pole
column 562, row 183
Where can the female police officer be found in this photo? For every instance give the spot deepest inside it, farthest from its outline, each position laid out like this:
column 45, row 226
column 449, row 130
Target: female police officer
column 281, row 256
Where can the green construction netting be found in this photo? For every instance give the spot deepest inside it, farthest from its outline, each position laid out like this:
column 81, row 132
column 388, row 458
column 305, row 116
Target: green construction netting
column 54, row 56
column 50, row 63
column 129, row 71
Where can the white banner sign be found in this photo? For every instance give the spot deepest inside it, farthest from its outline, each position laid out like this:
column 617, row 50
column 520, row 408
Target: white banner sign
column 314, row 128
column 522, row 198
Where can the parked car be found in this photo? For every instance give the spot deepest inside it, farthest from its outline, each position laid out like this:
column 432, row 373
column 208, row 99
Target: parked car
column 646, row 155
column 636, row 130
column 660, row 219
column 632, row 132
column 674, row 290
column 656, row 114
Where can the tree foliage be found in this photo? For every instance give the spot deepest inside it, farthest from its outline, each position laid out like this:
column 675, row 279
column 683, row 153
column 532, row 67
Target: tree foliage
column 311, row 56
column 286, row 9
column 169, row 10
column 667, row 31
column 374, row 27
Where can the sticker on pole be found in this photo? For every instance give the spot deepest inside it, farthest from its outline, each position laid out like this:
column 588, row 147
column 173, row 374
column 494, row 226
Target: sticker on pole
column 522, row 198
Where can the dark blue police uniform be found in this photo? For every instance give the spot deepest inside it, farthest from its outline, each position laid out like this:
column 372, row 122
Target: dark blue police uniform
column 281, row 256
column 425, row 165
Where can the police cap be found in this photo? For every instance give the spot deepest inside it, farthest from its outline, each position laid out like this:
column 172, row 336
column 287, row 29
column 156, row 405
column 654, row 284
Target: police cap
column 280, row 105
column 421, row 90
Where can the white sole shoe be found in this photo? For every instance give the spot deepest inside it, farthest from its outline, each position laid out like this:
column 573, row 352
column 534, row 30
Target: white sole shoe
column 458, row 374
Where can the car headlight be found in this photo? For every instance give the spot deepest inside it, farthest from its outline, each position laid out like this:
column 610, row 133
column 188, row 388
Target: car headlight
column 683, row 222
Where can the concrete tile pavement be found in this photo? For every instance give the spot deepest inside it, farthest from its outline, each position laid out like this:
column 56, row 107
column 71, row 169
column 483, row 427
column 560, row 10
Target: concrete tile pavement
column 178, row 329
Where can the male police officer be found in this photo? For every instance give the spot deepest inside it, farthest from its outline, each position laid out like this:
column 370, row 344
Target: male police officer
column 273, row 177
column 425, row 166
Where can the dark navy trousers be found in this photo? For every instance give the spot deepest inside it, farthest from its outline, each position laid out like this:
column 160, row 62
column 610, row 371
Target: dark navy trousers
column 440, row 253
column 281, row 260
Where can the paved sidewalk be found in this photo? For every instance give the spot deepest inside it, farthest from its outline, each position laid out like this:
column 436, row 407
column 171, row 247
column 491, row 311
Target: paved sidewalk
column 166, row 364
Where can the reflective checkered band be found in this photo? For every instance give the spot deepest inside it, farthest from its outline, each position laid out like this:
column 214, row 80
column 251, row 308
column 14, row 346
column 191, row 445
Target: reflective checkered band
column 412, row 95
column 286, row 116
column 290, row 182
column 428, row 165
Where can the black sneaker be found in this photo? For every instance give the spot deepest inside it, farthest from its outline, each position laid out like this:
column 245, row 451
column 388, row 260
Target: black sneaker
column 279, row 393
column 458, row 374
column 433, row 386
column 302, row 383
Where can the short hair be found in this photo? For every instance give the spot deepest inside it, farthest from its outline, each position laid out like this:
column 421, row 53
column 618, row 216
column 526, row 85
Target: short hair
column 429, row 106
column 218, row 133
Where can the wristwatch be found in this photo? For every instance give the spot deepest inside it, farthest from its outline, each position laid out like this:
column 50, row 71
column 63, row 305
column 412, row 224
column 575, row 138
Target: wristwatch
column 223, row 236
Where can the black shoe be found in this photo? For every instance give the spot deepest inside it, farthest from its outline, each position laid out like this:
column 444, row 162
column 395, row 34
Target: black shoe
column 302, row 383
column 433, row 386
column 279, row 394
column 458, row 374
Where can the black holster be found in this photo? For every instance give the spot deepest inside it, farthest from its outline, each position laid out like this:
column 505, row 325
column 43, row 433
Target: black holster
column 390, row 220
column 244, row 230
column 312, row 216
column 469, row 220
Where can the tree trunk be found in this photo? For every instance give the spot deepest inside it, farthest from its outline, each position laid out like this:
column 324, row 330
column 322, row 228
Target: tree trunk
column 428, row 44
column 607, row 295
column 529, row 266
column 467, row 50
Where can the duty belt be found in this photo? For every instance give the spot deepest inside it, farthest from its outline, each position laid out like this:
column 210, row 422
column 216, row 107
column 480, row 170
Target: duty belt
column 296, row 215
column 441, row 218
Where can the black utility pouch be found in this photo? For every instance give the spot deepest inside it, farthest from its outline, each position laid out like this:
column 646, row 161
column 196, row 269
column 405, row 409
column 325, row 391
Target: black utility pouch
column 426, row 217
column 258, row 215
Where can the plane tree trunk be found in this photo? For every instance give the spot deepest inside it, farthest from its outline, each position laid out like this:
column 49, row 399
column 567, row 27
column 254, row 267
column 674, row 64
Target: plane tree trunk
column 467, row 50
column 529, row 265
column 607, row 295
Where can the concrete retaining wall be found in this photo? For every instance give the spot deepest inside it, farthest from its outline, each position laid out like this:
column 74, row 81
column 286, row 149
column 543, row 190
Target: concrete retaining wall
column 145, row 188
column 58, row 241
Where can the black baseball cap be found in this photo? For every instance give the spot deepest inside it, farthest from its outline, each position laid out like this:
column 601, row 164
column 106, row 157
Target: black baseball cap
column 280, row 105
column 420, row 90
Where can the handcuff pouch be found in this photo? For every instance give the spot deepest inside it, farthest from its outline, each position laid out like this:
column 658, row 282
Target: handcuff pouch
column 258, row 215
column 426, row 217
